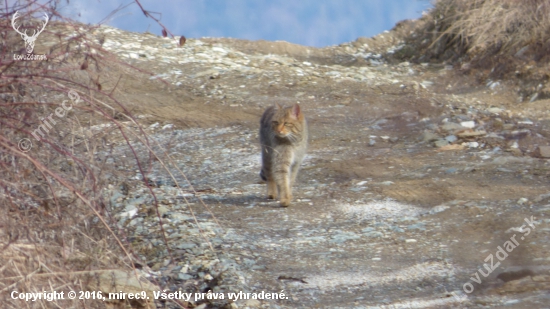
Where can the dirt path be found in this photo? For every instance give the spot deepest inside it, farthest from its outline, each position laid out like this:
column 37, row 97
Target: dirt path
column 414, row 177
column 364, row 231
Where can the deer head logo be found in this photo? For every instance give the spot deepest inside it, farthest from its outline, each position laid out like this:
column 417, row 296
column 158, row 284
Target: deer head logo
column 29, row 40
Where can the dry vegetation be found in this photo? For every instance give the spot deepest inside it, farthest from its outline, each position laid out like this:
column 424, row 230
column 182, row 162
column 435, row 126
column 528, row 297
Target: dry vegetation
column 491, row 25
column 466, row 28
column 489, row 39
column 57, row 231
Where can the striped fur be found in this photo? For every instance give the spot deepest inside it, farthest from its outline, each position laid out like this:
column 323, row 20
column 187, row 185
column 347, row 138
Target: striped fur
column 283, row 137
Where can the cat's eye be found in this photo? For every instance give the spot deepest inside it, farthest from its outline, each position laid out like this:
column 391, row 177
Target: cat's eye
column 275, row 123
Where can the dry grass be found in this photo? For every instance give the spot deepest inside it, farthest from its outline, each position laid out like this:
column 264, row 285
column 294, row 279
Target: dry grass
column 487, row 39
column 465, row 29
column 493, row 24
column 57, row 227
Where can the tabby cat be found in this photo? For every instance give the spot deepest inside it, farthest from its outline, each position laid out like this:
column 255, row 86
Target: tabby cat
column 283, row 135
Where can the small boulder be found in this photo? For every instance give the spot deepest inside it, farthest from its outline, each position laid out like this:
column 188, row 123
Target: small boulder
column 120, row 281
column 542, row 152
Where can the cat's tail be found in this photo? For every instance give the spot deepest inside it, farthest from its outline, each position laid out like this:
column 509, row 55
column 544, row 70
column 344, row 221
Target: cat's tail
column 262, row 175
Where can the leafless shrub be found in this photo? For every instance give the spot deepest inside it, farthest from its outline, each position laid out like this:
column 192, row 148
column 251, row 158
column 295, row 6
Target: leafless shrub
column 57, row 225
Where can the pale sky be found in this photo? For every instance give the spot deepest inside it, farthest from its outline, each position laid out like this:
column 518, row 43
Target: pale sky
column 307, row 22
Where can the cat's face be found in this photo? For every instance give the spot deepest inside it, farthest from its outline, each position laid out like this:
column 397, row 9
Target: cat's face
column 287, row 121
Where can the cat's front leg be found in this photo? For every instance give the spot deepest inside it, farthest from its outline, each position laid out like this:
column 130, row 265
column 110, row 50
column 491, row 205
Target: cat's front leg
column 293, row 173
column 271, row 188
column 285, row 191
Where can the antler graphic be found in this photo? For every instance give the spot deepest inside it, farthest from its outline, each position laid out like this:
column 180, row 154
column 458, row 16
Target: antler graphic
column 29, row 40
column 46, row 19
column 13, row 18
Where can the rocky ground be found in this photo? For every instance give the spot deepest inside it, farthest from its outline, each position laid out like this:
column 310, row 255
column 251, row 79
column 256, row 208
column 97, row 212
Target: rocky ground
column 416, row 175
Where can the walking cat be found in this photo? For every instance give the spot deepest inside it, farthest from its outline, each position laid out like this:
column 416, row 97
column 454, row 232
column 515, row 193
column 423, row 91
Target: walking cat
column 283, row 136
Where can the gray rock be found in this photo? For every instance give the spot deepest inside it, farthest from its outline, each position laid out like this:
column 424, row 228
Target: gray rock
column 182, row 276
column 495, row 110
column 504, row 170
column 179, row 217
column 451, row 138
column 451, row 126
column 252, row 303
column 211, row 73
column 541, row 197
column 543, row 152
column 429, row 137
column 116, row 281
column 440, row 143
column 512, row 160
column 468, row 124
column 438, row 209
column 426, row 83
column 343, row 237
column 374, row 234
column 186, row 245
column 417, row 226
column 397, row 229
column 522, row 201
column 162, row 210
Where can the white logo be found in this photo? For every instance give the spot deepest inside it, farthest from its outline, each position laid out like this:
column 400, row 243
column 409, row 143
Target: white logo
column 29, row 40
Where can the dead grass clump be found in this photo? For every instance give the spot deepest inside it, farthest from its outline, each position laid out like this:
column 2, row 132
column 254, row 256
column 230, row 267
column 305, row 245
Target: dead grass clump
column 492, row 25
column 492, row 39
column 458, row 29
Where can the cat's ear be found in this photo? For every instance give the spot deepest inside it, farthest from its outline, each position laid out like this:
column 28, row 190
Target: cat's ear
column 296, row 110
column 278, row 105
